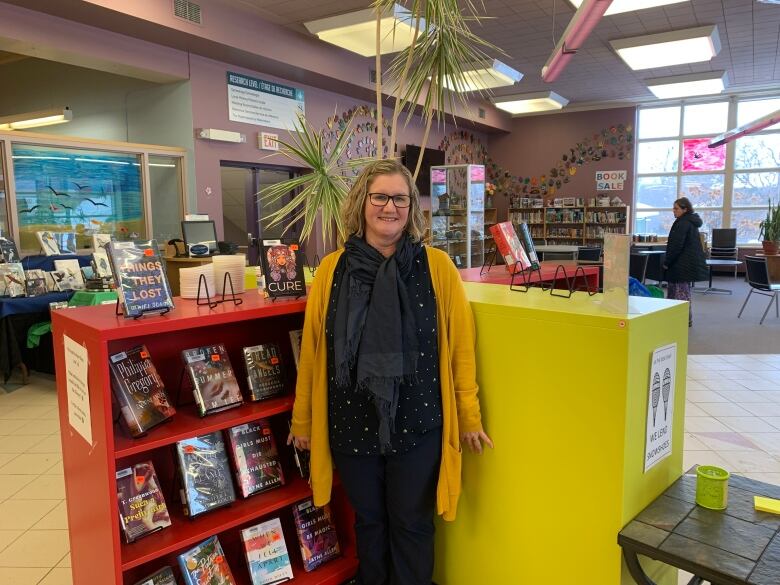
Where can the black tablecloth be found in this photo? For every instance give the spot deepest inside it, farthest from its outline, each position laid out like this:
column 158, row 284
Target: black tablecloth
column 41, row 262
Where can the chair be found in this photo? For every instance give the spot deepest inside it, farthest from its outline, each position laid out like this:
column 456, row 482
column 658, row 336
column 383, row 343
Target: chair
column 637, row 266
column 655, row 267
column 758, row 279
column 589, row 253
column 724, row 245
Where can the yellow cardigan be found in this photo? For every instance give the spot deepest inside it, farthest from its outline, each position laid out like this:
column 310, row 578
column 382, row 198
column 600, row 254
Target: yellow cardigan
column 457, row 371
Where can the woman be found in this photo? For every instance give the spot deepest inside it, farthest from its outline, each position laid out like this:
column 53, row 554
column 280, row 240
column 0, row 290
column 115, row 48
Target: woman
column 387, row 380
column 685, row 261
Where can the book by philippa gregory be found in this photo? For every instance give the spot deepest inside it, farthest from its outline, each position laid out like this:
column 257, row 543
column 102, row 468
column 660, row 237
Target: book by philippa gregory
column 139, row 390
column 140, row 277
column 206, row 564
column 266, row 553
column 508, row 245
column 316, row 534
column 283, row 269
column 205, row 472
column 255, row 456
column 142, row 508
column 214, row 383
column 296, row 339
column 264, row 370
column 164, row 576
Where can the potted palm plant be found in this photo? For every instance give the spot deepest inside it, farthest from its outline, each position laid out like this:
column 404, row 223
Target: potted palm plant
column 769, row 230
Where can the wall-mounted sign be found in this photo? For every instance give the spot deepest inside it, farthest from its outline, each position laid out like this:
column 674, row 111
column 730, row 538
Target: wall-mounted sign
column 268, row 141
column 263, row 103
column 660, row 405
column 610, row 180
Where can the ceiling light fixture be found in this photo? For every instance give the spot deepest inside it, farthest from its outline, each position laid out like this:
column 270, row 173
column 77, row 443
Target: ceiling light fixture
column 582, row 24
column 678, row 86
column 485, row 74
column 528, row 103
column 356, row 31
column 677, row 47
column 749, row 128
column 36, row 119
column 619, row 6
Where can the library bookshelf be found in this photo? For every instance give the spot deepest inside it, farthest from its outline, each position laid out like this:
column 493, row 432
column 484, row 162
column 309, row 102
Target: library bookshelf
column 572, row 225
column 99, row 553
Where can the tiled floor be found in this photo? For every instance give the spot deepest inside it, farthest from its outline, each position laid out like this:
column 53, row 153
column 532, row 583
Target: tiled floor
column 732, row 420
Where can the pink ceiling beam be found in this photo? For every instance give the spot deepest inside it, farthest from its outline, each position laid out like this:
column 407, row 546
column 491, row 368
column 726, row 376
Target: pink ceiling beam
column 749, row 128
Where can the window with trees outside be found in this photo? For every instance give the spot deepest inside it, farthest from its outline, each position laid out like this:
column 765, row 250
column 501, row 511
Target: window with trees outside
column 728, row 186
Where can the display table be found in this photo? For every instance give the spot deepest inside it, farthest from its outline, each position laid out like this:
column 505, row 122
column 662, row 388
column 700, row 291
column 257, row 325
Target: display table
column 499, row 275
column 42, row 262
column 87, row 298
column 564, row 391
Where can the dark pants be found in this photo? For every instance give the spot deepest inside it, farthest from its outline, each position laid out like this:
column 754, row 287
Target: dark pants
column 394, row 499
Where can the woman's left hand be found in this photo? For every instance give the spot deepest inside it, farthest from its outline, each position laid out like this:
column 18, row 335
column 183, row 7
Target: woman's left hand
column 474, row 441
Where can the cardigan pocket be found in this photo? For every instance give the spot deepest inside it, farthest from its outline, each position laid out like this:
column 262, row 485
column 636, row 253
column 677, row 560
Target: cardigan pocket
column 452, row 466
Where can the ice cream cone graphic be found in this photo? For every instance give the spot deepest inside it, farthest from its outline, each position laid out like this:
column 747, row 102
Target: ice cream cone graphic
column 656, row 393
column 666, row 390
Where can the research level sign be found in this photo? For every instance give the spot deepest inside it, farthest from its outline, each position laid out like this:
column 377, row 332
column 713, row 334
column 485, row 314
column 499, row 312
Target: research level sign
column 660, row 405
column 611, row 180
column 263, row 103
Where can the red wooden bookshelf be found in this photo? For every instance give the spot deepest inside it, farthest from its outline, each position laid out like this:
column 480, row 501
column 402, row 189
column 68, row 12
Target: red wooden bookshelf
column 98, row 551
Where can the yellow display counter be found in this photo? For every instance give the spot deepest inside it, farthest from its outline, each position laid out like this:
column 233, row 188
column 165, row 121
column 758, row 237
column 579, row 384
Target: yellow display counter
column 564, row 392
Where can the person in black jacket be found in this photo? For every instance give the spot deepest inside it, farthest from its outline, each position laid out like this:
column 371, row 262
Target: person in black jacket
column 685, row 260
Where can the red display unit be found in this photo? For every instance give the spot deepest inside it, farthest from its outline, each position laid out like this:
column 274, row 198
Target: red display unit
column 98, row 551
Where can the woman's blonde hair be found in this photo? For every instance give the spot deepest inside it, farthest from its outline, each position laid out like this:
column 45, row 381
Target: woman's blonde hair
column 353, row 207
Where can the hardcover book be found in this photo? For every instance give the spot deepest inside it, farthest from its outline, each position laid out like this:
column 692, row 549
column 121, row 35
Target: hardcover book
column 266, row 553
column 508, row 245
column 142, row 508
column 283, row 269
column 140, row 277
column 74, row 280
column 66, row 242
column 256, row 458
column 8, row 251
column 301, row 457
column 205, row 473
column 264, row 371
column 528, row 244
column 48, row 243
column 206, row 564
column 12, row 276
column 214, row 383
column 316, row 534
column 139, row 390
column 296, row 338
column 164, row 576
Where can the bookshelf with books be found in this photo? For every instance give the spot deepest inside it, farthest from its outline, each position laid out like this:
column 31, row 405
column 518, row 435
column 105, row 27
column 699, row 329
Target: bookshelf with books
column 572, row 225
column 99, row 551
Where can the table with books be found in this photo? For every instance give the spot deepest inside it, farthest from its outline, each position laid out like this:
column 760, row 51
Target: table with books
column 549, row 273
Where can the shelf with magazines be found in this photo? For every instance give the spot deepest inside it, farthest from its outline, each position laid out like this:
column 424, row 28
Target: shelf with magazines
column 165, row 458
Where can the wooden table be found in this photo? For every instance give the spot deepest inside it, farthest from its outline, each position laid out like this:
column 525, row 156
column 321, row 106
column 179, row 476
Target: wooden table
column 736, row 546
column 499, row 274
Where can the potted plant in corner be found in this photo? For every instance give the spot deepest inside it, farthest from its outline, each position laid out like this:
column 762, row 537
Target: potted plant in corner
column 769, row 230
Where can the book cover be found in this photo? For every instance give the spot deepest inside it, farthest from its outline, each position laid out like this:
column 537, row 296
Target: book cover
column 100, row 262
column 36, row 287
column 256, row 458
column 508, row 245
column 206, row 564
column 99, row 242
column 316, row 534
column 74, row 280
column 528, row 244
column 139, row 390
column 57, row 281
column 164, row 576
column 296, row 339
column 12, row 276
column 48, row 243
column 266, row 553
column 142, row 508
column 214, row 383
column 283, row 269
column 140, row 277
column 205, row 472
column 8, row 251
column 264, row 370
column 66, row 241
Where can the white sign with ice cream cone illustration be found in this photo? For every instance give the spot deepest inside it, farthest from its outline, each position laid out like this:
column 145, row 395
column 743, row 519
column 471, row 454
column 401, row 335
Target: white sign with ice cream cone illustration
column 660, row 405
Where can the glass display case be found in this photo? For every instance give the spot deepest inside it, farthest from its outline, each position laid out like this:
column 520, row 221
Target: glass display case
column 458, row 213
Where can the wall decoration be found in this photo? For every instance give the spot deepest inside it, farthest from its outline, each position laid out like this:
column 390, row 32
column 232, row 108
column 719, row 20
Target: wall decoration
column 697, row 156
column 362, row 143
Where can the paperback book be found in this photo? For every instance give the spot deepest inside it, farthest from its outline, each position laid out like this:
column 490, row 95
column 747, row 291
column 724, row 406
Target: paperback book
column 296, row 338
column 8, row 251
column 142, row 508
column 48, row 243
column 99, row 241
column 508, row 245
column 100, row 262
column 214, row 383
column 12, row 276
column 256, row 458
column 164, row 576
column 35, row 287
column 66, row 241
column 140, row 277
column 283, row 269
column 206, row 564
column 205, row 472
column 266, row 553
column 316, row 534
column 139, row 390
column 57, row 281
column 264, row 370
column 74, row 280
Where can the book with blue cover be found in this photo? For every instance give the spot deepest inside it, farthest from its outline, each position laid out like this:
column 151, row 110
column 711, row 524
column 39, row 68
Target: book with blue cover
column 206, row 478
column 140, row 277
column 266, row 553
column 206, row 564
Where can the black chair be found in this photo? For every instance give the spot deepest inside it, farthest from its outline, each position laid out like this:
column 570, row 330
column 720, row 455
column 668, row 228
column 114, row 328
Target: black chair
column 655, row 268
column 637, row 266
column 724, row 245
column 758, row 279
column 589, row 253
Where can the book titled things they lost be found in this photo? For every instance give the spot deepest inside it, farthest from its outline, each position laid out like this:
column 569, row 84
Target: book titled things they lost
column 141, row 281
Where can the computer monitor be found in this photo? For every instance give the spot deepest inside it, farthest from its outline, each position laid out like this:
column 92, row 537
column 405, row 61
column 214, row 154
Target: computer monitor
column 197, row 234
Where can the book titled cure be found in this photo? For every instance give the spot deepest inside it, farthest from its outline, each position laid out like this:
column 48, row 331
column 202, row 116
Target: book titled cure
column 140, row 277
column 283, row 269
column 256, row 459
column 214, row 382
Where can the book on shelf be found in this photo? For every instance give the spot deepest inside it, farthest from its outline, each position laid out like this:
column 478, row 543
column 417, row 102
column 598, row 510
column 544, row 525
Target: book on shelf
column 74, row 280
column 301, row 456
column 283, row 269
column 100, row 241
column 264, row 371
column 8, row 251
column 139, row 390
column 57, row 281
column 256, row 459
column 528, row 244
column 66, row 242
column 266, row 553
column 214, row 382
column 48, row 243
column 35, row 283
column 101, row 263
column 296, row 339
column 12, row 280
column 316, row 534
column 205, row 564
column 142, row 508
column 508, row 245
column 205, row 473
column 141, row 281
column 164, row 576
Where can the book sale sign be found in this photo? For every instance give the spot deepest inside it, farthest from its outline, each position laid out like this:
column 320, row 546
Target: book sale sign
column 660, row 405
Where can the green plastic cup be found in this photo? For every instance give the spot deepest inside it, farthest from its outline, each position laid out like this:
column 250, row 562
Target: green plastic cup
column 712, row 487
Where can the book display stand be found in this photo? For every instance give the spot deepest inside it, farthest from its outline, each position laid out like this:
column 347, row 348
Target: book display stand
column 526, row 276
column 203, row 287
column 490, row 260
column 162, row 311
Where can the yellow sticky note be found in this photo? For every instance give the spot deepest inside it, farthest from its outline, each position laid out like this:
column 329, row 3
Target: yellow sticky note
column 767, row 505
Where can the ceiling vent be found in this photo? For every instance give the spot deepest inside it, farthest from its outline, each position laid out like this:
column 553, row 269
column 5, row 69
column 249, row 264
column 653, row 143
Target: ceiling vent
column 187, row 10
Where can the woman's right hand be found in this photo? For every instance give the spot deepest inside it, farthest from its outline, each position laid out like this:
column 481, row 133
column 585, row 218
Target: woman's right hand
column 303, row 443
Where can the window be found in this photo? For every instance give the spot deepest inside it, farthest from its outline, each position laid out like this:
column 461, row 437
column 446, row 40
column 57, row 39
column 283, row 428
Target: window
column 674, row 160
column 4, row 227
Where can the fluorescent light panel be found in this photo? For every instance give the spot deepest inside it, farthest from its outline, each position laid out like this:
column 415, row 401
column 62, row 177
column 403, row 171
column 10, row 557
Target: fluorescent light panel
column 619, row 6
column 356, row 31
column 677, row 47
column 530, row 102
column 678, row 86
column 36, row 119
column 485, row 75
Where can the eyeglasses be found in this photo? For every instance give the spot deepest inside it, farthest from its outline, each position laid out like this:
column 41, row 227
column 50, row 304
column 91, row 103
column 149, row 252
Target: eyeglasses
column 380, row 200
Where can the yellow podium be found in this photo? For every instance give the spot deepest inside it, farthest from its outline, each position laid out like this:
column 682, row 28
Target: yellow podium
column 564, row 394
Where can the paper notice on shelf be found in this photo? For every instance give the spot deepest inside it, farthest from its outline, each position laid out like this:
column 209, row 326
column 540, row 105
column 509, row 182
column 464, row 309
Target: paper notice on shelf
column 660, row 405
column 76, row 364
